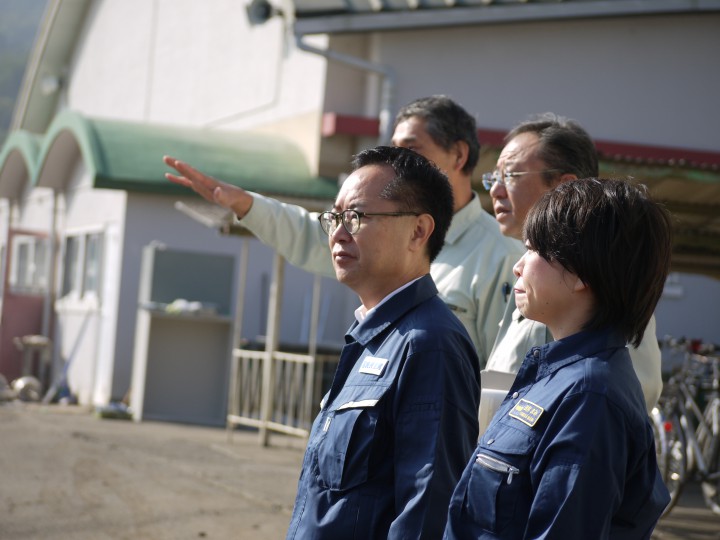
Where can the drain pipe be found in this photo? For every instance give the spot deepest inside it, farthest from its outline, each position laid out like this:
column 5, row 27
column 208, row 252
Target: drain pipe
column 388, row 82
column 51, row 272
column 386, row 72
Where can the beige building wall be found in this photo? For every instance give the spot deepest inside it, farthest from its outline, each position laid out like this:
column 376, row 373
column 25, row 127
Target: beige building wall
column 197, row 64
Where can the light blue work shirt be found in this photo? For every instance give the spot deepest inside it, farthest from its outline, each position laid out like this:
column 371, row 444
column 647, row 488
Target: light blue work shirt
column 517, row 335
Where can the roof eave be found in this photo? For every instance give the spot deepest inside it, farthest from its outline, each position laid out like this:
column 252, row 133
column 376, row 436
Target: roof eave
column 493, row 14
column 48, row 64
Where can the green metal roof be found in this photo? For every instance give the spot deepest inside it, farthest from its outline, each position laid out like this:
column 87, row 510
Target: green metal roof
column 125, row 155
column 18, row 162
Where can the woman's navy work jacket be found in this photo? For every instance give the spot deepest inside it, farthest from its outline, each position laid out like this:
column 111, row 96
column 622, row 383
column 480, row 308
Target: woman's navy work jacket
column 396, row 428
column 569, row 454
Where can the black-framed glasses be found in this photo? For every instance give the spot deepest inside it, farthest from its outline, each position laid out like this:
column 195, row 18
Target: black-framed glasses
column 506, row 178
column 330, row 221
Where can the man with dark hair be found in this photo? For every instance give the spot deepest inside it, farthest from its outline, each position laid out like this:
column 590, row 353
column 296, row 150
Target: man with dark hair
column 570, row 452
column 540, row 154
column 476, row 259
column 396, row 427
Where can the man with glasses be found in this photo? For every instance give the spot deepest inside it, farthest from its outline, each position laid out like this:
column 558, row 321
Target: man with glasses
column 476, row 260
column 396, row 428
column 539, row 154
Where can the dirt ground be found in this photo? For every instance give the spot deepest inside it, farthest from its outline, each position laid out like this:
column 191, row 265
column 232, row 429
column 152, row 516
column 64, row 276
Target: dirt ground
column 67, row 474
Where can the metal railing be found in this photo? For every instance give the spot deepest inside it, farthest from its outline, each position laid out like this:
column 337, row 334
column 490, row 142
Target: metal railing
column 277, row 391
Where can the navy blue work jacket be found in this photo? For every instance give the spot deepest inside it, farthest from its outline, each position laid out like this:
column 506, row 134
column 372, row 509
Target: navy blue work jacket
column 569, row 454
column 396, row 428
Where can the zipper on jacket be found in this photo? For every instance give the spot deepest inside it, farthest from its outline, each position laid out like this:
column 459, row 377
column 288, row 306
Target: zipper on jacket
column 496, row 465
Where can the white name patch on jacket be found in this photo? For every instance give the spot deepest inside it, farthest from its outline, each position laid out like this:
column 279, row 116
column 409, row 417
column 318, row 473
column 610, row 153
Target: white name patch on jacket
column 373, row 366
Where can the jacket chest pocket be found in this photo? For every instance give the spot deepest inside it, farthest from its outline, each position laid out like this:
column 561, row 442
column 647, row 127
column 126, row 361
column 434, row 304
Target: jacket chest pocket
column 499, row 484
column 344, row 453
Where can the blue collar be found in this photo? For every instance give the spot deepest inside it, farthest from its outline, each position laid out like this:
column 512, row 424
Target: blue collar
column 557, row 354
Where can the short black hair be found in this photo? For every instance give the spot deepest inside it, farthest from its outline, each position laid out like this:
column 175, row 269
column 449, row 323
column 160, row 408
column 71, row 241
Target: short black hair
column 446, row 122
column 564, row 145
column 615, row 239
column 418, row 186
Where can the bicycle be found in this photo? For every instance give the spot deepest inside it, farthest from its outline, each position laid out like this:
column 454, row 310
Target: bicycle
column 687, row 429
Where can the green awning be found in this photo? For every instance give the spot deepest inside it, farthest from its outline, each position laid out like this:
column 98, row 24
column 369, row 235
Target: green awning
column 18, row 162
column 128, row 156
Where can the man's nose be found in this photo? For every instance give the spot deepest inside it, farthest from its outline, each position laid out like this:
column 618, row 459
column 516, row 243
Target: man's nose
column 340, row 234
column 498, row 191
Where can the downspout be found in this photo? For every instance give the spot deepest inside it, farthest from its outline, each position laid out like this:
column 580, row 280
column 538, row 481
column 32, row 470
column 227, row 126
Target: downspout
column 4, row 268
column 388, row 82
column 52, row 263
column 386, row 72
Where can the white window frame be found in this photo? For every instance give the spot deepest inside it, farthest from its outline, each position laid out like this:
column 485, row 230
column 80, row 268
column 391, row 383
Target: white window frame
column 29, row 273
column 74, row 290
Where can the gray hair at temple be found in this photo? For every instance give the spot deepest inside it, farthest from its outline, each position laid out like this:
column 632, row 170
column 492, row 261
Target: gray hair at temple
column 447, row 123
column 565, row 147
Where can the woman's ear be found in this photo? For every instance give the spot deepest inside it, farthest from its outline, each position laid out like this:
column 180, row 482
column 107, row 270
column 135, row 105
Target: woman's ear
column 579, row 285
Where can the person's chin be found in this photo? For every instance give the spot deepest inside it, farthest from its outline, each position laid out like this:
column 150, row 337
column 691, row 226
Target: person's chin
column 521, row 303
column 506, row 223
column 343, row 275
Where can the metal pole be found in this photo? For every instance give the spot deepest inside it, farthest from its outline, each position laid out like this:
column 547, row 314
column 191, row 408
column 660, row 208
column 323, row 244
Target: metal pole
column 234, row 390
column 273, row 325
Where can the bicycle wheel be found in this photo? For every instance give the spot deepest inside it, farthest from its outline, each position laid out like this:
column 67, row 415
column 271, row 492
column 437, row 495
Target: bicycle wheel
column 711, row 454
column 674, row 471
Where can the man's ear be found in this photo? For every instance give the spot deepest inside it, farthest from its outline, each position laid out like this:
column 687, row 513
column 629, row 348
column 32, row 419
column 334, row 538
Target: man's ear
column 565, row 178
column 461, row 150
column 424, row 226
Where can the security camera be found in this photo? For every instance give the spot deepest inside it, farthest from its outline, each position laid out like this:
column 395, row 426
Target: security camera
column 259, row 11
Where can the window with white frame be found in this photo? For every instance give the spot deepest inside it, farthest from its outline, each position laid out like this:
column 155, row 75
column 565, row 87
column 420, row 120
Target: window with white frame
column 29, row 264
column 92, row 264
column 82, row 268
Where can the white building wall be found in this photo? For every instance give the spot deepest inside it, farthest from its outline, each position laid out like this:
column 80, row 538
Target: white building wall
column 648, row 80
column 85, row 327
column 690, row 308
column 197, row 64
column 34, row 213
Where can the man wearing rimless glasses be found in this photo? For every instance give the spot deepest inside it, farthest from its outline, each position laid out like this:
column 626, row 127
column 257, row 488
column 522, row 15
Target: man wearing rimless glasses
column 539, row 154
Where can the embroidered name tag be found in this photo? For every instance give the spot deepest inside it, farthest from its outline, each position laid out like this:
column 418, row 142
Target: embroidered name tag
column 373, row 366
column 527, row 412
